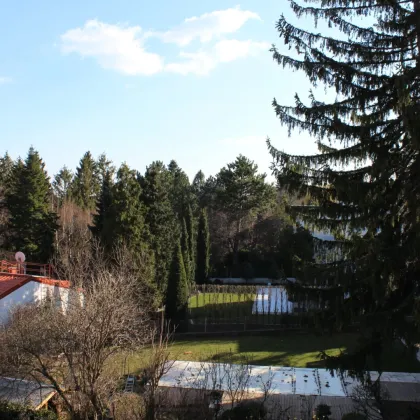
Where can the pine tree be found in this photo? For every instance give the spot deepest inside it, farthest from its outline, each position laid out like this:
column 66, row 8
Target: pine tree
column 62, row 184
column 32, row 224
column 186, row 252
column 198, row 187
column 192, row 238
column 86, row 185
column 241, row 192
column 181, row 195
column 160, row 218
column 6, row 168
column 103, row 220
column 104, row 167
column 177, row 290
column 203, row 249
column 364, row 183
column 128, row 210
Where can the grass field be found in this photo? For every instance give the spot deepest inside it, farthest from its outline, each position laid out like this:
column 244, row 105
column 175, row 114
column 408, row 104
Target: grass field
column 281, row 350
column 221, row 305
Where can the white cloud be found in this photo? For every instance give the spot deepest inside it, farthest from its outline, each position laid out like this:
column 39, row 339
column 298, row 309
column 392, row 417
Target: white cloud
column 121, row 47
column 114, row 46
column 4, row 80
column 202, row 62
column 207, row 27
column 245, row 140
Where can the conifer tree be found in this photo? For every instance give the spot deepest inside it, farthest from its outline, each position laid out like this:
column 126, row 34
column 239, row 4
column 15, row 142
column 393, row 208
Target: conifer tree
column 103, row 220
column 181, row 195
column 128, row 211
column 203, row 249
column 6, row 167
column 241, row 191
column 62, row 184
column 161, row 220
column 186, row 252
column 86, row 185
column 192, row 237
column 32, row 224
column 104, row 167
column 364, row 182
column 177, row 289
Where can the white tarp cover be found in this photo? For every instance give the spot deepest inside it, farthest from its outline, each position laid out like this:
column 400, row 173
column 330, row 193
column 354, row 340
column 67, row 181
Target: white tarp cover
column 284, row 380
column 272, row 300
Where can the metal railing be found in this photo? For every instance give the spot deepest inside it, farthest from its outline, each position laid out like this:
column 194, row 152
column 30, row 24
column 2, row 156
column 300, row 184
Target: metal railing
column 28, row 268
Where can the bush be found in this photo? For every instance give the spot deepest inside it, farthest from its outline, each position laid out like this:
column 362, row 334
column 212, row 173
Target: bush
column 353, row 416
column 323, row 412
column 12, row 411
column 246, row 411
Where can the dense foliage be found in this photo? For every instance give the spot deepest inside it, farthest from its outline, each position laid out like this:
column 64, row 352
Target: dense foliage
column 178, row 291
column 31, row 224
column 363, row 185
column 232, row 224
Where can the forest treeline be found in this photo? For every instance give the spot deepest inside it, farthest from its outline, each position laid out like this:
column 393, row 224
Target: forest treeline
column 231, row 224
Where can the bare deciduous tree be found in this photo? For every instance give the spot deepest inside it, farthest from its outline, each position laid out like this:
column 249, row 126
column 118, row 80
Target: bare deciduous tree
column 74, row 351
column 73, row 239
column 369, row 397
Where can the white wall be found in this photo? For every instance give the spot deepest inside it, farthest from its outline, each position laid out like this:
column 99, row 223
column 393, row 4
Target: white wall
column 33, row 292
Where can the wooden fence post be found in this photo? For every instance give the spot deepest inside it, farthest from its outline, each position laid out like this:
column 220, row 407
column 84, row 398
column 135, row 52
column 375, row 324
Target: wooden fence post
column 205, row 324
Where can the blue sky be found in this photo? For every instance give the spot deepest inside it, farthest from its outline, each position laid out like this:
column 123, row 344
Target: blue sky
column 144, row 80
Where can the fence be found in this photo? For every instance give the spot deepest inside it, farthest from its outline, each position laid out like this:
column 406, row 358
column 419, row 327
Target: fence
column 214, row 308
column 33, row 269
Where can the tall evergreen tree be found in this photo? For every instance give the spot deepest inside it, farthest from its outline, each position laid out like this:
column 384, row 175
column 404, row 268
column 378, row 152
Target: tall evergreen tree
column 62, row 184
column 104, row 167
column 240, row 192
column 186, row 251
column 364, row 183
column 181, row 195
column 86, row 185
column 6, row 168
column 160, row 218
column 192, row 237
column 203, row 249
column 128, row 211
column 32, row 224
column 104, row 219
column 177, row 289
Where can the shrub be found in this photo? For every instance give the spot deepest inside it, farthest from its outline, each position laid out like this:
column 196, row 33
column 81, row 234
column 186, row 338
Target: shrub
column 353, row 416
column 12, row 411
column 323, row 412
column 246, row 411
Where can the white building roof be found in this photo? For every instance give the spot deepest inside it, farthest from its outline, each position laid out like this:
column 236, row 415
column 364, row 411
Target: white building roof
column 284, row 380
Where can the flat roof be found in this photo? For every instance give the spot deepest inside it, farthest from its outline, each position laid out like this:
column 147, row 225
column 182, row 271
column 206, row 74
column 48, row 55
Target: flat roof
column 25, row 392
column 284, row 380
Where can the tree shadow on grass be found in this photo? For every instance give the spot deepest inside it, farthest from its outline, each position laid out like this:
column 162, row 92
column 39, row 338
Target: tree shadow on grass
column 227, row 310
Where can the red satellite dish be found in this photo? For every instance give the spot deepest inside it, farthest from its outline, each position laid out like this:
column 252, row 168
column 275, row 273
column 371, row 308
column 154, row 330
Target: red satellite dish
column 20, row 257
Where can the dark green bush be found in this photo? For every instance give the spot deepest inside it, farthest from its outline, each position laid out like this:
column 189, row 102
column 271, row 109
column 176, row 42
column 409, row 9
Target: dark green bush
column 246, row 411
column 353, row 416
column 323, row 412
column 12, row 411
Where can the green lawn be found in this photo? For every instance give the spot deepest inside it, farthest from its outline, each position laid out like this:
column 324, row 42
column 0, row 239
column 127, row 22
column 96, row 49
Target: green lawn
column 282, row 350
column 221, row 305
